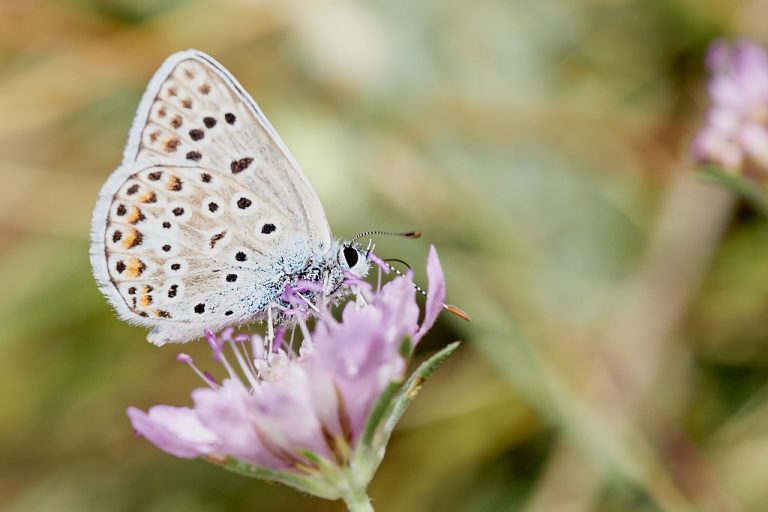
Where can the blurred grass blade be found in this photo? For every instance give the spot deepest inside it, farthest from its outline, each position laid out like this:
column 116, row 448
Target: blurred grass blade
column 749, row 190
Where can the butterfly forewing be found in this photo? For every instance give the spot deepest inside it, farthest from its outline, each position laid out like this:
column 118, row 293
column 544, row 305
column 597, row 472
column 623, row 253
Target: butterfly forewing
column 195, row 112
column 196, row 226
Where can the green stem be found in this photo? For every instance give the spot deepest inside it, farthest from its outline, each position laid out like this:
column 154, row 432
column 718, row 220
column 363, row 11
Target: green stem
column 357, row 501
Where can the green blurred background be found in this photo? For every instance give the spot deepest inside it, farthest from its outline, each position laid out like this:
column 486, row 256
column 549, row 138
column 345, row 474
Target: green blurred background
column 618, row 357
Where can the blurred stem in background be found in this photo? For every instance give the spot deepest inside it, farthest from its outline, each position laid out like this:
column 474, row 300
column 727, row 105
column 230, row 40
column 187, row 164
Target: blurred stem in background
column 635, row 344
column 607, row 421
column 633, row 347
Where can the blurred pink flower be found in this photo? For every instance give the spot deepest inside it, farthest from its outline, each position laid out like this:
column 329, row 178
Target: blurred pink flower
column 304, row 412
column 735, row 136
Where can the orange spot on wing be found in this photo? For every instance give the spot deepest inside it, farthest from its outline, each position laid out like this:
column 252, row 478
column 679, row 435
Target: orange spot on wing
column 174, row 183
column 149, row 197
column 171, row 144
column 130, row 239
column 135, row 268
column 135, row 215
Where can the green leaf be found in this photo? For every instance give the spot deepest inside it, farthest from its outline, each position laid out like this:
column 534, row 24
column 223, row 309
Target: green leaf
column 411, row 388
column 391, row 406
column 305, row 484
column 379, row 410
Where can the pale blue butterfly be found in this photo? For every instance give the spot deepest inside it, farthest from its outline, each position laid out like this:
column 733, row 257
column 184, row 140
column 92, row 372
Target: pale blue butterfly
column 209, row 217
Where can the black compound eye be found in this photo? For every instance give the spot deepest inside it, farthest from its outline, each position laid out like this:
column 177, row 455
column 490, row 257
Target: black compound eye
column 351, row 256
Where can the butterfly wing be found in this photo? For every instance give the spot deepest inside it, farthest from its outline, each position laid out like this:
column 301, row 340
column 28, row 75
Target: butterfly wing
column 207, row 210
column 195, row 111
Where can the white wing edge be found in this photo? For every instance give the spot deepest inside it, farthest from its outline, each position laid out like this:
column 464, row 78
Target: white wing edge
column 160, row 333
column 152, row 90
column 97, row 250
column 150, row 93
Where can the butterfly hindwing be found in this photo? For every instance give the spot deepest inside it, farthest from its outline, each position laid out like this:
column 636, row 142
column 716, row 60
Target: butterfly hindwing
column 188, row 248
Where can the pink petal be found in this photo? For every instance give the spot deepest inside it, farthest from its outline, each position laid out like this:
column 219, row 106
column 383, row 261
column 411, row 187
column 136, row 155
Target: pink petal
column 284, row 414
column 436, row 293
column 225, row 412
column 175, row 430
column 754, row 138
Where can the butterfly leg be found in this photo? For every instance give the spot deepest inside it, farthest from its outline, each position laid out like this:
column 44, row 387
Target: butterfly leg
column 360, row 299
column 308, row 302
column 324, row 296
column 269, row 342
column 293, row 337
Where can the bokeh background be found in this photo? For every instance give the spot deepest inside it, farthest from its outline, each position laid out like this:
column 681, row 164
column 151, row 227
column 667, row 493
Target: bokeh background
column 618, row 357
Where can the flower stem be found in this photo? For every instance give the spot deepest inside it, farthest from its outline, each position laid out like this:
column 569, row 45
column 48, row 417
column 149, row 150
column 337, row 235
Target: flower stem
column 357, row 501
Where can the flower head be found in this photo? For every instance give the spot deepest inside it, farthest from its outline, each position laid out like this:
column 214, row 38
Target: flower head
column 312, row 417
column 735, row 136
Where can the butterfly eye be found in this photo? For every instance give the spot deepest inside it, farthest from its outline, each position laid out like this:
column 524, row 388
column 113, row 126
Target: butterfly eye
column 351, row 256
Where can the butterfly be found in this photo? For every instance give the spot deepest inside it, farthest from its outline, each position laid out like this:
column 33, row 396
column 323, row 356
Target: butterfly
column 208, row 218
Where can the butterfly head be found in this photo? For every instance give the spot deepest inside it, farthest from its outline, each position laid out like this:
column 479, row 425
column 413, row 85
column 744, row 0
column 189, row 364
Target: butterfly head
column 354, row 259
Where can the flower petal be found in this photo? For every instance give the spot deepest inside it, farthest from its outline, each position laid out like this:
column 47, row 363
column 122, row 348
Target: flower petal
column 175, row 430
column 736, row 122
column 225, row 412
column 435, row 292
column 361, row 354
column 284, row 416
column 754, row 138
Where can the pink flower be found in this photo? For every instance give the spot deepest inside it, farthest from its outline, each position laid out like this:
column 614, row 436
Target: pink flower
column 735, row 136
column 303, row 417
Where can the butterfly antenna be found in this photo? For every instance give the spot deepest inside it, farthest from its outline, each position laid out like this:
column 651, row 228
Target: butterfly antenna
column 448, row 307
column 398, row 260
column 410, row 234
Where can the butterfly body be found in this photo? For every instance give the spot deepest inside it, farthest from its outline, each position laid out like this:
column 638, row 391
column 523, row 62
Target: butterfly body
column 208, row 218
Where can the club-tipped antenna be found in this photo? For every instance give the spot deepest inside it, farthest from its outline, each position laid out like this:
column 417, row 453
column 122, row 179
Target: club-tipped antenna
column 448, row 307
column 409, row 234
column 398, row 260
